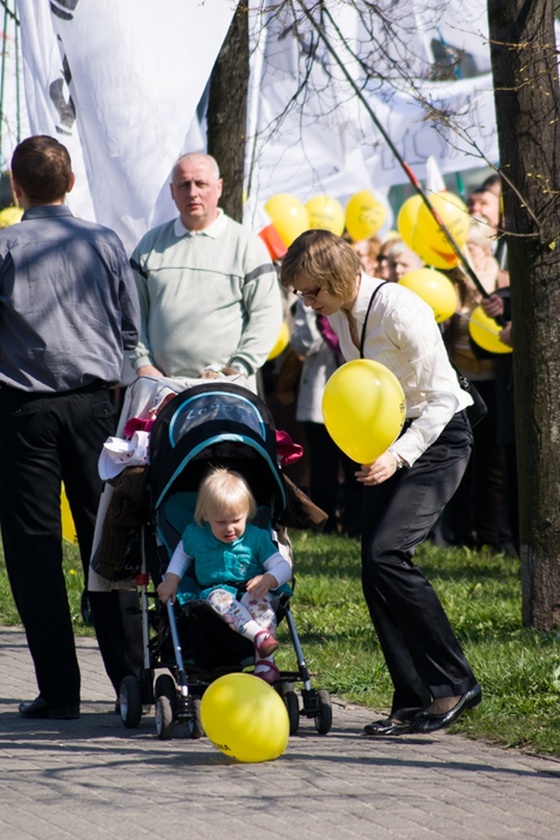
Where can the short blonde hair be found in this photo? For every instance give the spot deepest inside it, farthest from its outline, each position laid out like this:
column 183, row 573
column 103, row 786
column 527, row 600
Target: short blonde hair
column 221, row 492
column 324, row 260
column 483, row 235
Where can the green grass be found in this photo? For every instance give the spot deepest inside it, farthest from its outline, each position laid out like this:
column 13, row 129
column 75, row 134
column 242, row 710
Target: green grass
column 518, row 668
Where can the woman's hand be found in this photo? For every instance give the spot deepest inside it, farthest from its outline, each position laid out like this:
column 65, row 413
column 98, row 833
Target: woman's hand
column 383, row 468
column 261, row 584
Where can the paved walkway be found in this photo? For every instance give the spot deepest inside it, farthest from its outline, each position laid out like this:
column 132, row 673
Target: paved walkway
column 93, row 779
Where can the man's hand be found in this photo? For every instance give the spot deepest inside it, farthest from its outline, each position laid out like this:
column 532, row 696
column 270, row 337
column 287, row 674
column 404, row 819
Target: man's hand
column 493, row 306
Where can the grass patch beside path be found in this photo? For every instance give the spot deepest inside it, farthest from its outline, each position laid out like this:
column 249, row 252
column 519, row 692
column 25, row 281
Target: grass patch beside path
column 518, row 668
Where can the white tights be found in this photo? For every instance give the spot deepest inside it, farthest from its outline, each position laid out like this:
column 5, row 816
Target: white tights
column 248, row 616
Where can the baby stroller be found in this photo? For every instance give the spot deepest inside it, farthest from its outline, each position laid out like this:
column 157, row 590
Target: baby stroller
column 216, row 423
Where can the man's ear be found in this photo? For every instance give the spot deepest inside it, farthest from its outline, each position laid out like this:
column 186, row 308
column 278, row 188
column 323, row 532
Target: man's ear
column 16, row 189
column 71, row 182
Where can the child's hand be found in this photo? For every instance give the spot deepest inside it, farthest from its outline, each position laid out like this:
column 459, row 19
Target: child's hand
column 168, row 588
column 261, row 584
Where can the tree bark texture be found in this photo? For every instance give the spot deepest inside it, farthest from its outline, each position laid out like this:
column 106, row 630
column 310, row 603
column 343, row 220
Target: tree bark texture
column 525, row 70
column 227, row 111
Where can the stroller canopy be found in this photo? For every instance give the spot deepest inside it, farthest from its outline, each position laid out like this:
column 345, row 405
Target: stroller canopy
column 215, row 423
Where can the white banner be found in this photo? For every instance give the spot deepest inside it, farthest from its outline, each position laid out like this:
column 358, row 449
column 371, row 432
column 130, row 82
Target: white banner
column 121, row 82
column 325, row 141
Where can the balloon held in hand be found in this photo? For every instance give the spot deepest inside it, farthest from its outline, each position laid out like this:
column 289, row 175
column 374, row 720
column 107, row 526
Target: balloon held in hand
column 364, row 409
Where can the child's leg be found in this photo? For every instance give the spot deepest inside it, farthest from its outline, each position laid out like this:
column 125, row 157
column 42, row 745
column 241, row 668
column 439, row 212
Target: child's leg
column 261, row 610
column 264, row 641
column 234, row 613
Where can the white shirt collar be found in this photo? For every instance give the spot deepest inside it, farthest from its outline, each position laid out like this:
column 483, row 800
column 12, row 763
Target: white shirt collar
column 213, row 230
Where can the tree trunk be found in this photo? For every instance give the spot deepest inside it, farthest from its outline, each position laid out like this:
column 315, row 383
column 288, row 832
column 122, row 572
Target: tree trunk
column 227, row 111
column 525, row 72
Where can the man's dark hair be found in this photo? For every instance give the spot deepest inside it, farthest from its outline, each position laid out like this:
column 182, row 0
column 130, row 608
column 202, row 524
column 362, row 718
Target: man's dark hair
column 42, row 167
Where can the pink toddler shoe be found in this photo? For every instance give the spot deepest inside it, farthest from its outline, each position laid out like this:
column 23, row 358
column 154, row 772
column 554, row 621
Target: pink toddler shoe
column 267, row 671
column 265, row 644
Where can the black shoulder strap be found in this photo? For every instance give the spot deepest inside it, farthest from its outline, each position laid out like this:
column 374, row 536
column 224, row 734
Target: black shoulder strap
column 363, row 336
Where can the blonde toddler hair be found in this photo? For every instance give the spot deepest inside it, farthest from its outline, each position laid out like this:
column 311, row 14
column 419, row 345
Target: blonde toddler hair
column 222, row 492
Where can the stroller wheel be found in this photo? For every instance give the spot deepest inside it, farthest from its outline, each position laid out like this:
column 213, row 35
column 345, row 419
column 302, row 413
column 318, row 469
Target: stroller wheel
column 323, row 718
column 290, row 698
column 130, row 702
column 165, row 687
column 164, row 718
column 194, row 723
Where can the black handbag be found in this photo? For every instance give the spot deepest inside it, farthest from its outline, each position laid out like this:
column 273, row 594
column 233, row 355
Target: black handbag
column 478, row 410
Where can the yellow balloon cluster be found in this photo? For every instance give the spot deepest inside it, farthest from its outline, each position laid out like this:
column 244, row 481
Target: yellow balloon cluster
column 364, row 409
column 421, row 232
column 485, row 332
column 245, row 718
column 365, row 215
column 435, row 289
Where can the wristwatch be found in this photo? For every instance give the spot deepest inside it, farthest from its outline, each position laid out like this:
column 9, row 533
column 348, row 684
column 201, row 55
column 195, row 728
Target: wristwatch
column 400, row 461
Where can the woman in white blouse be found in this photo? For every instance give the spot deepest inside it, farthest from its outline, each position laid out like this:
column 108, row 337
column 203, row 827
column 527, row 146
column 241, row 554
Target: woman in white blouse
column 406, row 487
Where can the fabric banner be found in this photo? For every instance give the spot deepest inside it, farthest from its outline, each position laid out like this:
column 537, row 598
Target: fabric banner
column 119, row 84
column 311, row 133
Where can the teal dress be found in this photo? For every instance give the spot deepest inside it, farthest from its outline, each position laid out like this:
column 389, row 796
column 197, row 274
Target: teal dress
column 218, row 565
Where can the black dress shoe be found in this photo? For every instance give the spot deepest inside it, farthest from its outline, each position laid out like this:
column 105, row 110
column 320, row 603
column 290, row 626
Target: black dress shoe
column 427, row 722
column 39, row 708
column 388, row 726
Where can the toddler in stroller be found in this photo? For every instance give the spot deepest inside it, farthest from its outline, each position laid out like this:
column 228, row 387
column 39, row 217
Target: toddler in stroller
column 223, row 434
column 233, row 565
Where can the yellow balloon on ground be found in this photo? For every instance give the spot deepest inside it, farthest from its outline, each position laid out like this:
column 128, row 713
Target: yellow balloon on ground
column 325, row 213
column 420, row 231
column 364, row 409
column 245, row 718
column 281, row 342
column 364, row 215
column 485, row 332
column 288, row 215
column 68, row 527
column 435, row 288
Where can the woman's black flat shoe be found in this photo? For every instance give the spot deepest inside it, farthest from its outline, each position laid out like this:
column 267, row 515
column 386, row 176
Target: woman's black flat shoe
column 387, row 727
column 427, row 722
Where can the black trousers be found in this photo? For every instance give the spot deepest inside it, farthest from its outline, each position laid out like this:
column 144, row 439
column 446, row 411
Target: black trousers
column 45, row 440
column 424, row 658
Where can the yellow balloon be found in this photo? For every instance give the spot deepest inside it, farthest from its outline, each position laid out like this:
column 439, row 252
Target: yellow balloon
column 407, row 219
column 288, row 215
column 434, row 288
column 9, row 216
column 281, row 342
column 68, row 527
column 245, row 718
column 485, row 332
column 325, row 213
column 364, row 216
column 419, row 229
column 364, row 409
